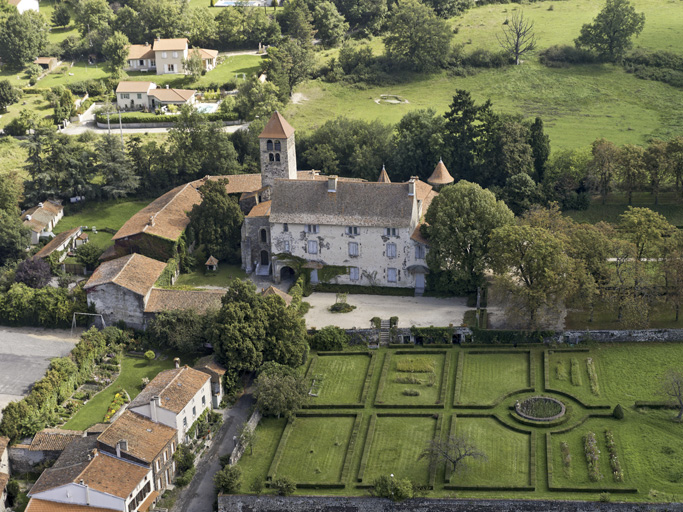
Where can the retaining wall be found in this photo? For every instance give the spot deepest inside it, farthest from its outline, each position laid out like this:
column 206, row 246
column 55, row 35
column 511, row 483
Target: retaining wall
column 228, row 503
column 114, row 123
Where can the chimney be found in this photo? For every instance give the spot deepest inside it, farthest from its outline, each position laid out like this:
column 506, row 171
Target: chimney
column 166, row 86
column 28, row 217
column 332, row 184
column 151, row 220
column 40, row 205
column 411, row 186
column 177, row 362
column 118, row 450
column 123, row 443
column 87, row 495
column 153, row 408
column 82, row 482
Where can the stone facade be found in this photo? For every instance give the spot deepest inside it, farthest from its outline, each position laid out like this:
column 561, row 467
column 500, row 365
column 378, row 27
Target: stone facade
column 278, row 159
column 255, row 244
column 115, row 303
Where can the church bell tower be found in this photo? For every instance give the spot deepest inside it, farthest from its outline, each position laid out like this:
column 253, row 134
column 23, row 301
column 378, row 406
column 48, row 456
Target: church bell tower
column 278, row 152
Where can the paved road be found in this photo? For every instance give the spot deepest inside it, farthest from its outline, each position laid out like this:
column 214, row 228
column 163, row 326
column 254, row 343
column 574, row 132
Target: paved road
column 91, row 126
column 25, row 354
column 201, row 494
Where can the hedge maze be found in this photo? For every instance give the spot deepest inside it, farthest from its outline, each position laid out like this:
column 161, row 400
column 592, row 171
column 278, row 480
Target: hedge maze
column 376, row 412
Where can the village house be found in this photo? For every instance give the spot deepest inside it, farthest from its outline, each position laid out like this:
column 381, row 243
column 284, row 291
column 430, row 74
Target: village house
column 25, row 5
column 61, row 244
column 85, row 476
column 165, row 56
column 146, row 96
column 216, row 371
column 4, row 470
column 42, row 219
column 176, row 398
column 138, row 439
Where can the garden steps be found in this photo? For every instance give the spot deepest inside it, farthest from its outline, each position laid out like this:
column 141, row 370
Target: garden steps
column 384, row 337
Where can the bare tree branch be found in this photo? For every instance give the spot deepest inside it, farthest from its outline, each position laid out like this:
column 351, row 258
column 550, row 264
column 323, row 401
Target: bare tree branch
column 672, row 388
column 453, row 451
column 518, row 36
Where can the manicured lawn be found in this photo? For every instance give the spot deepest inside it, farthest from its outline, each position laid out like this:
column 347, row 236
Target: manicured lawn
column 398, row 382
column 132, row 372
column 339, row 379
column 316, row 448
column 410, row 433
column 486, row 377
column 66, row 74
column 254, row 465
column 34, row 102
column 221, row 277
column 578, row 104
column 616, row 204
column 507, row 454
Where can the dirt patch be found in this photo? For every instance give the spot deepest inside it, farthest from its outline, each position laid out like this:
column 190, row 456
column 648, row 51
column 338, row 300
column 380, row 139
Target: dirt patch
column 298, row 97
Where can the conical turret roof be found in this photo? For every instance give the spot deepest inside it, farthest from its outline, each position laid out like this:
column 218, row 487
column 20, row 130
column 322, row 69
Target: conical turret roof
column 277, row 128
column 440, row 176
column 383, row 176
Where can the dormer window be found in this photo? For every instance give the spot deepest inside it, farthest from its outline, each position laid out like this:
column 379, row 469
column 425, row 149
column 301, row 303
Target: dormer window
column 269, row 145
column 277, row 145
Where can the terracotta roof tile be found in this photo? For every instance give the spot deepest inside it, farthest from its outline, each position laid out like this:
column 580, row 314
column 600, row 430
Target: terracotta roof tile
column 211, row 261
column 140, row 51
column 271, row 290
column 133, row 86
column 146, row 439
column 169, row 300
column 204, row 53
column 161, row 45
column 56, row 242
column 134, row 272
column 168, row 95
column 418, row 237
column 111, row 475
column 440, row 176
column 261, row 210
column 53, row 439
column 175, row 387
column 277, row 128
column 36, row 505
column 209, row 363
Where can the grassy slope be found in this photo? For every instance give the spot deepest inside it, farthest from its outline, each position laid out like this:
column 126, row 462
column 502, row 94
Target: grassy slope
column 616, row 204
column 577, row 104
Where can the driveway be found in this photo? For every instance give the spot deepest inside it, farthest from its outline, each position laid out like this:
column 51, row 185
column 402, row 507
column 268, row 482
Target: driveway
column 201, row 493
column 91, row 126
column 25, row 354
column 417, row 311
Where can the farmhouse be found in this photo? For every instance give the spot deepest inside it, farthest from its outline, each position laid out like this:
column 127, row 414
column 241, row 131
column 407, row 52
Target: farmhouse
column 61, row 244
column 175, row 398
column 146, row 96
column 166, row 56
column 42, row 219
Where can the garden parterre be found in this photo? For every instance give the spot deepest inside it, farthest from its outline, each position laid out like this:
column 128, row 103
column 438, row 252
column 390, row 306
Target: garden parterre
column 338, row 445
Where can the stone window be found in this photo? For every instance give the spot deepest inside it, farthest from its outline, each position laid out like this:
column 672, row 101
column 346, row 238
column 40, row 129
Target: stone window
column 353, row 273
column 352, row 230
column 312, row 247
column 277, row 157
column 390, row 231
column 278, row 147
column 287, row 249
column 312, row 228
column 419, row 252
column 264, row 236
column 353, row 249
column 269, row 145
column 391, row 250
column 391, row 275
column 271, row 157
column 285, row 227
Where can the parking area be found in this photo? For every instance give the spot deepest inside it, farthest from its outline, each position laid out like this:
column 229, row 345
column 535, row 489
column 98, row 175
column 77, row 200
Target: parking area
column 417, row 311
column 25, row 354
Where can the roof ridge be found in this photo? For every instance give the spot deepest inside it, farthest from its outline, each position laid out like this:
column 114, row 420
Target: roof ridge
column 164, row 207
column 113, row 279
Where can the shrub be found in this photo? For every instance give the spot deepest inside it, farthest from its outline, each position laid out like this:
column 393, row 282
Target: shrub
column 393, row 321
column 116, row 404
column 228, row 480
column 617, row 472
column 33, row 272
column 590, row 448
column 184, row 458
column 592, row 376
column 395, row 489
column 564, row 55
column 561, row 371
column 150, row 355
column 186, row 477
column 605, row 497
column 376, row 322
column 256, row 486
column 407, row 379
column 12, row 489
column 283, row 486
column 618, row 412
column 329, row 338
column 224, row 460
column 341, row 307
column 483, row 58
column 411, row 392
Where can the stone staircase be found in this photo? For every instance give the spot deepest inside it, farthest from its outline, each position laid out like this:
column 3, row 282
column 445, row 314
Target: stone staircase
column 384, row 337
column 263, row 270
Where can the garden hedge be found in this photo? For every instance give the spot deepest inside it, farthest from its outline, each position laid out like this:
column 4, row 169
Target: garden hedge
column 458, row 377
column 444, row 378
column 133, row 117
column 433, row 334
column 368, row 445
column 348, row 458
column 368, row 380
column 272, row 470
column 382, row 379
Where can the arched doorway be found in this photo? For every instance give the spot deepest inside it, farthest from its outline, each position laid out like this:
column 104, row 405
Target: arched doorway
column 265, row 259
column 286, row 273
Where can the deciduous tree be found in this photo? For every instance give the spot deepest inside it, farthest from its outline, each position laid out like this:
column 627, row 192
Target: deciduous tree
column 115, row 51
column 228, row 480
column 330, row 25
column 92, row 15
column 23, row 37
column 671, row 387
column 8, row 94
column 280, row 395
column 631, row 170
column 454, row 450
column 518, row 36
column 61, row 16
column 604, row 165
column 33, row 272
column 646, row 229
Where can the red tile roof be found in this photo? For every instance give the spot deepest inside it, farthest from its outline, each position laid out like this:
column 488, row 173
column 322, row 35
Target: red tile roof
column 134, row 272
column 36, row 505
column 277, row 128
column 175, row 387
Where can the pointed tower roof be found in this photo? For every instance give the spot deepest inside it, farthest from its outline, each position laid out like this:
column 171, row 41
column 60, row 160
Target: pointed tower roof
column 440, row 176
column 277, row 128
column 383, row 176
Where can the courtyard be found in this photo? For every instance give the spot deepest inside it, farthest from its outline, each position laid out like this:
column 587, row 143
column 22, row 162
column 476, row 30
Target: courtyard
column 373, row 413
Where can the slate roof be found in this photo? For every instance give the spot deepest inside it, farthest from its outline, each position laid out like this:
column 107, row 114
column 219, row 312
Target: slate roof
column 168, row 300
column 261, row 209
column 56, row 242
column 70, row 464
column 440, row 176
column 41, row 216
column 271, row 290
column 134, row 272
column 146, row 439
column 53, row 439
column 161, row 45
column 168, row 95
column 354, row 203
column 277, row 127
column 140, row 51
column 175, row 387
column 125, row 86
column 36, row 505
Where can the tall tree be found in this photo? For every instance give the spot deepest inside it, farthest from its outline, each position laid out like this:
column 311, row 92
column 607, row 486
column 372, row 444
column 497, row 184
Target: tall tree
column 8, row 94
column 280, row 394
column 518, row 36
column 674, row 153
column 289, row 63
column 646, row 229
column 454, row 451
column 201, row 27
column 14, row 236
column 604, row 165
column 193, row 64
column 61, row 16
column 92, row 15
column 612, row 29
column 23, row 37
column 540, row 148
column 416, row 37
column 657, row 166
column 331, row 26
column 459, row 224
column 418, row 144
column 128, row 22
column 631, row 170
column 503, row 150
column 365, row 16
column 115, row 51
column 217, row 221
column 671, row 387
column 257, row 99
column 116, row 167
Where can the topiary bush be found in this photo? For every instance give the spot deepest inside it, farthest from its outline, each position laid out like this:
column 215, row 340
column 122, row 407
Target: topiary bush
column 618, row 412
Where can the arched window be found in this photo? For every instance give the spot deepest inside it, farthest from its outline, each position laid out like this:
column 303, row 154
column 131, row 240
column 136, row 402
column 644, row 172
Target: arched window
column 277, row 157
column 271, row 157
column 264, row 236
column 269, row 145
column 277, row 145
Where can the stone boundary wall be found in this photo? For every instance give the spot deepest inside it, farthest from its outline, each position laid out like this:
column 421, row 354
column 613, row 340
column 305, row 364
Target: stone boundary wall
column 238, row 451
column 625, row 336
column 23, row 460
column 243, row 503
column 114, row 122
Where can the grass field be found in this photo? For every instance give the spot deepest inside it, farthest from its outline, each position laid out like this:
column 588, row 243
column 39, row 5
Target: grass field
column 577, row 104
column 340, row 379
column 221, row 277
column 428, row 385
column 487, row 377
column 616, row 204
column 315, row 450
column 132, row 372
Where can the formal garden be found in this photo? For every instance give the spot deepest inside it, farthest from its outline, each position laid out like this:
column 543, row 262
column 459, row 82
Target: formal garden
column 588, row 422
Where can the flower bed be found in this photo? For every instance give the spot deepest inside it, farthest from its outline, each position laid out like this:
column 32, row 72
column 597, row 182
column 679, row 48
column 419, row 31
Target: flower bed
column 617, row 472
column 590, row 447
column 566, row 458
column 540, row 408
column 593, row 376
column 120, row 398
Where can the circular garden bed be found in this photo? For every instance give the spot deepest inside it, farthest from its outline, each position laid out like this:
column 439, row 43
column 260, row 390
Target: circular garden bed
column 540, row 408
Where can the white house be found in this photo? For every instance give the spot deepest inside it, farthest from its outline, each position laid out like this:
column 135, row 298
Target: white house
column 86, row 477
column 61, row 244
column 131, row 95
column 42, row 219
column 166, row 56
column 176, row 398
column 25, row 5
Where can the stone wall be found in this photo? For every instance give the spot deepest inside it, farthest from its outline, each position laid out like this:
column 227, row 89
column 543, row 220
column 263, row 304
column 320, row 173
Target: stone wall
column 644, row 335
column 342, row 504
column 238, row 451
column 23, row 460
